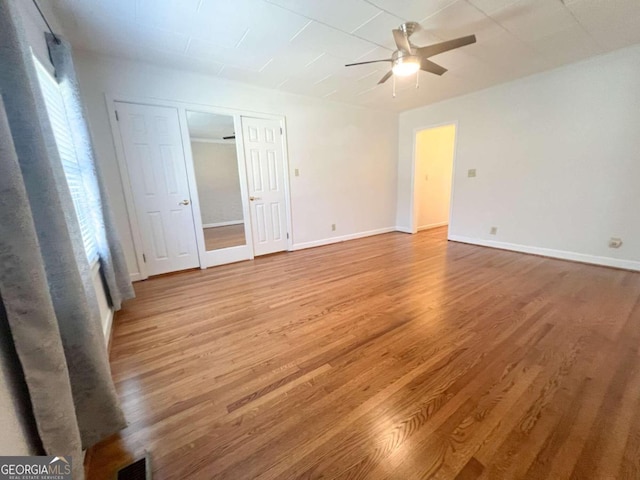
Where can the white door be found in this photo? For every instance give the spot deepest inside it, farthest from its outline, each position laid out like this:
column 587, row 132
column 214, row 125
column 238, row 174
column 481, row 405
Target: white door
column 262, row 141
column 155, row 160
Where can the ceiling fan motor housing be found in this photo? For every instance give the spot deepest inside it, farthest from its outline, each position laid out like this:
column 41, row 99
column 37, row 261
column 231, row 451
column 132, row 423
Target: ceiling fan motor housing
column 409, row 28
column 400, row 56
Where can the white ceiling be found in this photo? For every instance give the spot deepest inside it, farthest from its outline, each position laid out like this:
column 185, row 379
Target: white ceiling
column 301, row 46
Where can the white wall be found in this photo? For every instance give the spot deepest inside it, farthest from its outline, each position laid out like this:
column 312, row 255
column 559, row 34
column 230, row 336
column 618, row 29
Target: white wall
column 346, row 155
column 216, row 168
column 557, row 157
column 434, row 170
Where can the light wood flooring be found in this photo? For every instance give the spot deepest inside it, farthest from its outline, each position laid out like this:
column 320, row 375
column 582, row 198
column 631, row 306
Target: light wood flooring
column 394, row 356
column 223, row 237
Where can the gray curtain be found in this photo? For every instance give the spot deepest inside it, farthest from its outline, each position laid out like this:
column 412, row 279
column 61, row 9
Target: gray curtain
column 114, row 267
column 45, row 279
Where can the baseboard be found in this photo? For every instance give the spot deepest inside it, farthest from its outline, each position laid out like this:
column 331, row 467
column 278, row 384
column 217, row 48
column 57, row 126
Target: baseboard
column 136, row 277
column 222, row 224
column 549, row 252
column 432, row 225
column 343, row 238
column 108, row 324
column 403, row 230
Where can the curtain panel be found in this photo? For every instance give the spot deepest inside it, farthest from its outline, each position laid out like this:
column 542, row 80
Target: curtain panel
column 45, row 279
column 112, row 261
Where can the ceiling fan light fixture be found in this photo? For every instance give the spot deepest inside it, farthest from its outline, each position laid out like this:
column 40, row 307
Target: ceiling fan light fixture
column 406, row 66
column 408, row 59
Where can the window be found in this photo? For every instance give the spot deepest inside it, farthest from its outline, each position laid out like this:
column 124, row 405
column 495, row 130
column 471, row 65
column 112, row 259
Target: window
column 71, row 165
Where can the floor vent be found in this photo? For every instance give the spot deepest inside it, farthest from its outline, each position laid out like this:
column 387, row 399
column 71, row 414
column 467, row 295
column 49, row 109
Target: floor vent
column 138, row 470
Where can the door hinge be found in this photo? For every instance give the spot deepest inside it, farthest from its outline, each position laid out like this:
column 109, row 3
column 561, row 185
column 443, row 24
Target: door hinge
column 280, row 130
column 117, row 117
column 144, row 258
column 287, row 234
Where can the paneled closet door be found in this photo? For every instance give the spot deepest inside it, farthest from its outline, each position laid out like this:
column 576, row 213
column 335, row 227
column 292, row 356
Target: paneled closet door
column 266, row 177
column 155, row 159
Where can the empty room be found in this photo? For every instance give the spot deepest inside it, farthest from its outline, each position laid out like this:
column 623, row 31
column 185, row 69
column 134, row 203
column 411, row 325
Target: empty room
column 304, row 239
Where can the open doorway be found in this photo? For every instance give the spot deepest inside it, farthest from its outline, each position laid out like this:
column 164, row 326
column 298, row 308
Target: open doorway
column 434, row 156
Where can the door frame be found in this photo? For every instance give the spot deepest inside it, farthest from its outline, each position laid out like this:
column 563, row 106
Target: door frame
column 413, row 227
column 207, row 259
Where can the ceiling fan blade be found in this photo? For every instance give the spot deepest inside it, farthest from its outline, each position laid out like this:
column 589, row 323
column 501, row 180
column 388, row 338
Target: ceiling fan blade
column 364, row 63
column 429, row 66
column 386, row 77
column 402, row 42
column 431, row 50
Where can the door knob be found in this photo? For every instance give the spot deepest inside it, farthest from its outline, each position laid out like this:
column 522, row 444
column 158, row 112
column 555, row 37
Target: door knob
column 254, row 198
column 184, row 202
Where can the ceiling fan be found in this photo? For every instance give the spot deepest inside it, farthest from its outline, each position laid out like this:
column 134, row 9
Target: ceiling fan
column 408, row 58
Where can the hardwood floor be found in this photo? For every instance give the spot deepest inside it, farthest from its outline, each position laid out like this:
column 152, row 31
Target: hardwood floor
column 224, row 237
column 394, row 356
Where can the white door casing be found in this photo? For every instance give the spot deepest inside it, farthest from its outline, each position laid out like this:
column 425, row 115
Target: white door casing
column 153, row 150
column 266, row 177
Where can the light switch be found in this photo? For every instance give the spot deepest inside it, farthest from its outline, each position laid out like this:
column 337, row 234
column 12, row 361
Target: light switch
column 296, row 172
column 471, row 172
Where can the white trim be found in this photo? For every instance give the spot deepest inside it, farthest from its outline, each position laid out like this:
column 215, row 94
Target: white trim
column 244, row 195
column 223, row 224
column 287, row 181
column 108, row 319
column 163, row 102
column 192, row 184
column 549, row 252
column 403, row 229
column 223, row 256
column 132, row 218
column 136, row 277
column 108, row 323
column 433, row 225
column 206, row 258
column 94, row 266
column 343, row 238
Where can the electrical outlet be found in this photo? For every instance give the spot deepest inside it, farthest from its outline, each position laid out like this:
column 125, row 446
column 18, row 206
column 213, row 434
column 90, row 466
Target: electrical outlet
column 471, row 173
column 493, row 231
column 615, row 242
column 426, row 177
column 333, row 227
column 296, row 172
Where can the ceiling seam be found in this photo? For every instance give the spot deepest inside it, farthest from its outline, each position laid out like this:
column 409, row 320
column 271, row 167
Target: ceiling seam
column 385, row 11
column 584, row 29
column 325, row 24
column 244, row 35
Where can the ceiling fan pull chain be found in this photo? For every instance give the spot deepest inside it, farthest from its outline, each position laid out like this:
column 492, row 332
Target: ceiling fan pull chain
column 417, row 80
